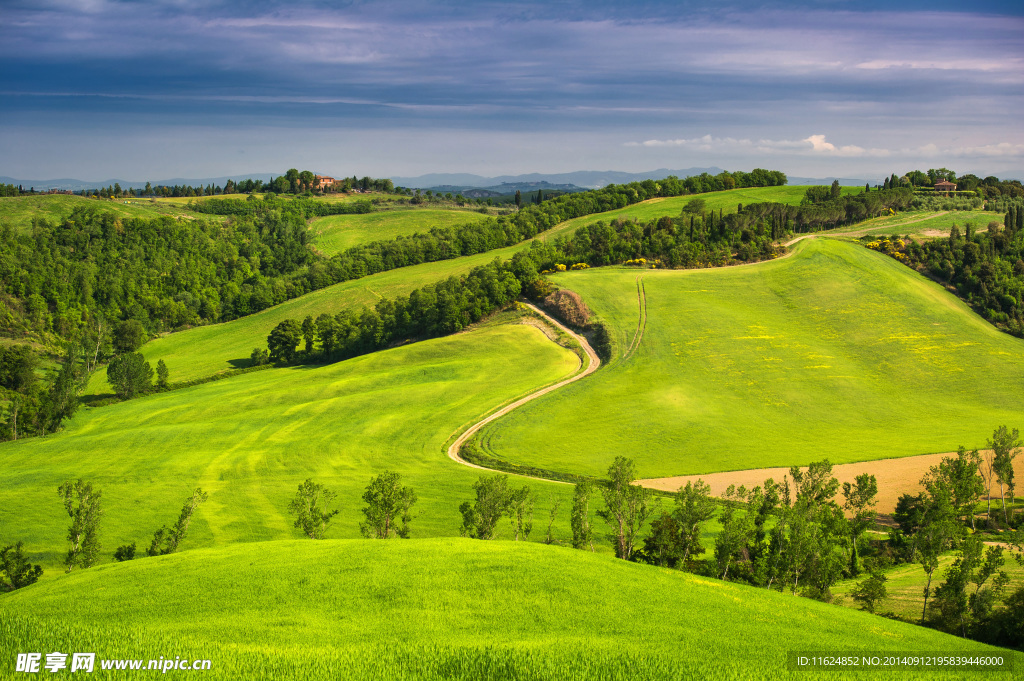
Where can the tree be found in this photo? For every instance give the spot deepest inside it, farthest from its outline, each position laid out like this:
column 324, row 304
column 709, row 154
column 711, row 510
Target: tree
column 166, row 540
column 308, row 333
column 955, row 606
column 732, row 541
column 388, row 502
column 259, row 357
column 161, row 376
column 480, row 518
column 61, row 398
column 283, row 341
column 1005, row 446
column 128, row 336
column 872, row 590
column 306, row 507
column 82, row 504
column 834, row 190
column 859, row 502
column 15, row 569
column 626, row 506
column 556, row 503
column 961, row 477
column 694, row 507
column 938, row 530
column 579, row 519
column 125, row 552
column 519, row 200
column 664, row 545
column 520, row 511
column 129, row 375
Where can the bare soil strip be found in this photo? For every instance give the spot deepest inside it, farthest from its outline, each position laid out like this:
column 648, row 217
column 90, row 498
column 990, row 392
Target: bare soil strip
column 895, row 477
column 595, row 362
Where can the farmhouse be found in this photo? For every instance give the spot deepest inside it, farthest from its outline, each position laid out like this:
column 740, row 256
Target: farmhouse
column 322, row 181
column 945, row 186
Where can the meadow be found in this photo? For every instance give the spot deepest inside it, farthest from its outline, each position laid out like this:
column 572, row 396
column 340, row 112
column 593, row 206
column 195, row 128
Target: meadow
column 249, row 442
column 336, row 233
column 726, row 201
column 441, row 608
column 18, row 212
column 207, row 350
column 906, row 583
column 835, row 352
column 922, row 224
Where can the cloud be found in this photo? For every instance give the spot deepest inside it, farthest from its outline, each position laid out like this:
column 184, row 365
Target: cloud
column 813, row 145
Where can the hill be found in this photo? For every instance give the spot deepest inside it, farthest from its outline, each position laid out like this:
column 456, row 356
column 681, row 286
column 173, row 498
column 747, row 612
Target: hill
column 836, row 352
column 251, row 440
column 443, row 608
column 335, row 233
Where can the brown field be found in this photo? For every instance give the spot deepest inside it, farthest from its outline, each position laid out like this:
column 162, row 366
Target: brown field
column 895, row 477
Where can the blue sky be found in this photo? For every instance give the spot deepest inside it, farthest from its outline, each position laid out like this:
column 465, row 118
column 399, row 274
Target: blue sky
column 163, row 88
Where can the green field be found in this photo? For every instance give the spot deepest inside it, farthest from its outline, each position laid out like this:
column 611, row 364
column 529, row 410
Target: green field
column 206, row 350
column 336, row 233
column 19, row 211
column 673, row 206
column 906, row 584
column 441, row 608
column 836, row 352
column 922, row 224
column 249, row 441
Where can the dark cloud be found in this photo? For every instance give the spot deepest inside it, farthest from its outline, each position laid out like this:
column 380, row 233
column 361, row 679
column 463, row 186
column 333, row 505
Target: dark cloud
column 864, row 73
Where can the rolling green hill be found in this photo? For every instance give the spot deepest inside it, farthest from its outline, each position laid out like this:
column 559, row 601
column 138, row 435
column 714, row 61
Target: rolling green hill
column 335, row 233
column 442, row 608
column 206, row 350
column 726, row 201
column 19, row 211
column 835, row 352
column 251, row 440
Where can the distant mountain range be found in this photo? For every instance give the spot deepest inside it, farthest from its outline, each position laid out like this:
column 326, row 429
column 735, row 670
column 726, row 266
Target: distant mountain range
column 78, row 185
column 455, row 182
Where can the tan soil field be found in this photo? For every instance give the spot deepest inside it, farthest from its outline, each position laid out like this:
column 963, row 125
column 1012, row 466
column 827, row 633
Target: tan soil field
column 895, row 477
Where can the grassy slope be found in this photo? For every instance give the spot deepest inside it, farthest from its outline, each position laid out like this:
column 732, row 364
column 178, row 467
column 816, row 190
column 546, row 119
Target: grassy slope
column 672, row 207
column 19, row 211
column 206, row 350
column 251, row 440
column 906, row 586
column 923, row 224
column 335, row 233
column 835, row 352
column 548, row 612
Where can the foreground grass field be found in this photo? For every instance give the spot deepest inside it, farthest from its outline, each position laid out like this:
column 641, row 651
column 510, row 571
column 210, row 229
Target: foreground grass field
column 726, row 201
column 441, row 608
column 336, row 233
column 835, row 352
column 249, row 442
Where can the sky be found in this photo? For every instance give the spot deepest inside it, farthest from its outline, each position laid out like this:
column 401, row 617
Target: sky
column 94, row 89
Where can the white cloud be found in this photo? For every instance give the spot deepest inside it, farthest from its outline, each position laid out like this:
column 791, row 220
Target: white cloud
column 813, row 145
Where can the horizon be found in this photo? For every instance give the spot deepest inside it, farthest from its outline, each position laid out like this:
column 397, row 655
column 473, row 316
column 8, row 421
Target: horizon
column 182, row 89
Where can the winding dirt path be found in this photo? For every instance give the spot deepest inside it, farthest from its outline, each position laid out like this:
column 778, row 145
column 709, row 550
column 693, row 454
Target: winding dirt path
column 592, row 366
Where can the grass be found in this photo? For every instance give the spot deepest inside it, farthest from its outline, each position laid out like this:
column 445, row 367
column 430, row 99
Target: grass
column 906, row 583
column 922, row 224
column 439, row 608
column 206, row 350
column 249, row 441
column 18, row 212
column 336, row 233
column 673, row 206
column 836, row 352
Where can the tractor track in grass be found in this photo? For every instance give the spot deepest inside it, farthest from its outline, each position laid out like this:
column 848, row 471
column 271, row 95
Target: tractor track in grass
column 592, row 366
column 641, row 322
